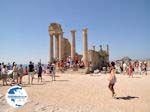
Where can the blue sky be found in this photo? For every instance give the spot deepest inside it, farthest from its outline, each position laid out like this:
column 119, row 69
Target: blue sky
column 123, row 24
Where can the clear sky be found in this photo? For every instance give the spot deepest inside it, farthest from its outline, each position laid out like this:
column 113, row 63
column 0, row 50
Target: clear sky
column 123, row 24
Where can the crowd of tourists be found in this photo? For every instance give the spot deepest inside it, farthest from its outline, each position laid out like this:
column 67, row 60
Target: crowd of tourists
column 132, row 68
column 13, row 73
column 69, row 63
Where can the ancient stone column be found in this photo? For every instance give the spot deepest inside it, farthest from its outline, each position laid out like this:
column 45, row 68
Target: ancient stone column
column 51, row 56
column 108, row 52
column 85, row 47
column 60, row 45
column 107, row 49
column 73, row 47
column 57, row 47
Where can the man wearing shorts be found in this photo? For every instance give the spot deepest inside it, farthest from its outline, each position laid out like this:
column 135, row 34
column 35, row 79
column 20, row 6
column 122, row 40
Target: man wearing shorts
column 39, row 72
column 15, row 73
column 31, row 73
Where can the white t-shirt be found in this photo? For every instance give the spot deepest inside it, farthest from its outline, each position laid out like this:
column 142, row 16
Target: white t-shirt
column 124, row 66
column 4, row 71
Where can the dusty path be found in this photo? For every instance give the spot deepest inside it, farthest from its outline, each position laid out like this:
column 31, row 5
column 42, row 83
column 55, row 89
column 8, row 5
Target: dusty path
column 84, row 93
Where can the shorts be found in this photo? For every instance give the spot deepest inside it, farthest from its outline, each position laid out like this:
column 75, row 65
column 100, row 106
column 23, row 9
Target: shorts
column 20, row 75
column 31, row 74
column 39, row 75
column 4, row 76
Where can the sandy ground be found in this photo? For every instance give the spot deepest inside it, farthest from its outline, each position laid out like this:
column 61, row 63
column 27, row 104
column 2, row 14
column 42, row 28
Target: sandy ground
column 83, row 93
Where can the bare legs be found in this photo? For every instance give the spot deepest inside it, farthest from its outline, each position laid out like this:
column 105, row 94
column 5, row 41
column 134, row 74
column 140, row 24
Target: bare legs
column 30, row 75
column 4, row 78
column 111, row 87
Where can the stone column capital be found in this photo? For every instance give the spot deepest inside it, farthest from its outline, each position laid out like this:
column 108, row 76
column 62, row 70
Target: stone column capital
column 73, row 31
column 61, row 33
column 51, row 35
column 85, row 30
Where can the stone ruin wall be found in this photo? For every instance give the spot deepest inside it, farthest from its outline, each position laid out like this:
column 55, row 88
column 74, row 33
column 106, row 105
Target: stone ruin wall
column 96, row 59
column 66, row 48
column 93, row 57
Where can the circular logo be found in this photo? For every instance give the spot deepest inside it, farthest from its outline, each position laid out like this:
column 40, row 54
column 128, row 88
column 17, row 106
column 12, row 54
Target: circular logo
column 16, row 96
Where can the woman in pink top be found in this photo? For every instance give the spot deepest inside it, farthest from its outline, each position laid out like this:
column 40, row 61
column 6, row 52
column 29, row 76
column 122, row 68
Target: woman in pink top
column 130, row 70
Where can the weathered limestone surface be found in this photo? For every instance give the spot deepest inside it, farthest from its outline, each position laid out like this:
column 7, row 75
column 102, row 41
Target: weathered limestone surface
column 66, row 48
column 57, row 47
column 73, row 47
column 85, row 47
column 98, row 58
column 94, row 58
column 51, row 48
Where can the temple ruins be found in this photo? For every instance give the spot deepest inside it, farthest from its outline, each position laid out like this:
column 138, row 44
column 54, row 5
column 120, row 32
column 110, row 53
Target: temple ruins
column 63, row 48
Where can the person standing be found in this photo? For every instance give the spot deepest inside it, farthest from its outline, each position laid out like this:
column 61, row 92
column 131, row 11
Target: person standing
column 112, row 78
column 53, row 71
column 31, row 73
column 4, row 74
column 15, row 73
column 39, row 72
column 26, row 71
column 140, row 68
column 145, row 68
column 20, row 74
column 130, row 70
column 124, row 68
column 91, row 68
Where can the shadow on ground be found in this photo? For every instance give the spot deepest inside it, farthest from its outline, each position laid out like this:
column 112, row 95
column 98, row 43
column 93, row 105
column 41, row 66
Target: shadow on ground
column 62, row 80
column 136, row 77
column 126, row 98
